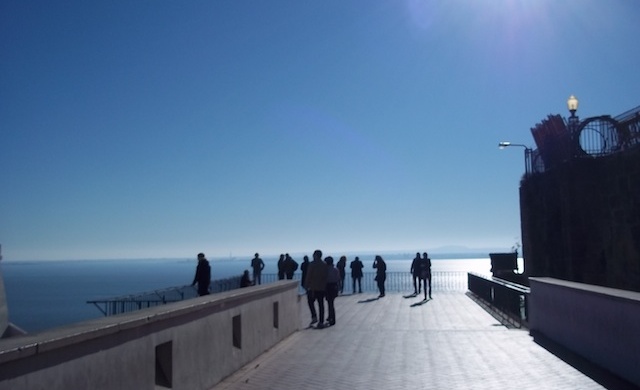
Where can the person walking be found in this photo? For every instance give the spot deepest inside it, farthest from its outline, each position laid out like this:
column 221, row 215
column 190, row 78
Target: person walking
column 304, row 268
column 316, row 283
column 203, row 275
column 381, row 273
column 258, row 265
column 415, row 273
column 356, row 274
column 342, row 264
column 333, row 280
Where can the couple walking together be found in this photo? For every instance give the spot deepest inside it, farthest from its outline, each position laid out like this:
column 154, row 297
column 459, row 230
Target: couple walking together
column 321, row 280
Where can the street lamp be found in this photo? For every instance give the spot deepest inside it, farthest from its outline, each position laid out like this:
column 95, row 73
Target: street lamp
column 505, row 144
column 527, row 154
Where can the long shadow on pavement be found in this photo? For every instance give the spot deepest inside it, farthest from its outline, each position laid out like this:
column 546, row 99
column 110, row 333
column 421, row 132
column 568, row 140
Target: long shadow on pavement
column 420, row 303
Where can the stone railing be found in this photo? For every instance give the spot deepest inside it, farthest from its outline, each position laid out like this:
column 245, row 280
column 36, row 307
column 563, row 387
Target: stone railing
column 192, row 344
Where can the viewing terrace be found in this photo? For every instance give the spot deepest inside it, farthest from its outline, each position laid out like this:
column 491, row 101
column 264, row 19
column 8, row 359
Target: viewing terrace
column 259, row 338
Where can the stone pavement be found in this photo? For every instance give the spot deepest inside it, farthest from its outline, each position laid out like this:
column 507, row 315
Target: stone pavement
column 449, row 342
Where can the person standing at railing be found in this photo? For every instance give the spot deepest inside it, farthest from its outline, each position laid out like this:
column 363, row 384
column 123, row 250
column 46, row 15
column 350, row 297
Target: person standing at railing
column 203, row 275
column 381, row 273
column 281, row 267
column 356, row 274
column 342, row 264
column 290, row 266
column 258, row 265
column 333, row 280
column 316, row 283
column 415, row 272
column 426, row 261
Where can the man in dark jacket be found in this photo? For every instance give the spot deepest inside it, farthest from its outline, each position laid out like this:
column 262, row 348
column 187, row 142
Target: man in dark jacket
column 203, row 275
column 315, row 282
column 290, row 266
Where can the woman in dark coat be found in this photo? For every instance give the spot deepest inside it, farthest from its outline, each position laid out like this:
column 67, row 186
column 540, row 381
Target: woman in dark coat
column 342, row 264
column 381, row 273
column 203, row 275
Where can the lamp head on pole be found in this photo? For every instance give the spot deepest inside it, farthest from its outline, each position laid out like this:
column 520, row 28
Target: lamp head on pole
column 572, row 105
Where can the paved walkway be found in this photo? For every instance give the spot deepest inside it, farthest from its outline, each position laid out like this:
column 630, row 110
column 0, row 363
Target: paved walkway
column 449, row 342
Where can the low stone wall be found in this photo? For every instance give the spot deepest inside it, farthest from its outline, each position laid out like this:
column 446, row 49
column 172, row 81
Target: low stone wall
column 597, row 323
column 192, row 344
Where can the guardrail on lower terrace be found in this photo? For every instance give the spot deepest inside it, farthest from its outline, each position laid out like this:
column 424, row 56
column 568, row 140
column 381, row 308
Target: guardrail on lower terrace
column 509, row 298
column 395, row 282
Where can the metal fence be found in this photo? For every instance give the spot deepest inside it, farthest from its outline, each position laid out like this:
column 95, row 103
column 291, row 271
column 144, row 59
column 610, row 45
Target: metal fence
column 133, row 302
column 395, row 282
column 509, row 298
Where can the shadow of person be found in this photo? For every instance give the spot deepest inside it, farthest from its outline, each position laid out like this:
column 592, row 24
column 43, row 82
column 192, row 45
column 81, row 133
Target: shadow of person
column 420, row 303
column 369, row 300
column 410, row 295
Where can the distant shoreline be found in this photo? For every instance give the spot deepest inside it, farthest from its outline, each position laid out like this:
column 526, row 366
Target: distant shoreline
column 297, row 257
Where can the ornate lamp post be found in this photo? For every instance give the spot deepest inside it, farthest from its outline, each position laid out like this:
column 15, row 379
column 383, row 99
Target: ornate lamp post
column 574, row 120
column 572, row 105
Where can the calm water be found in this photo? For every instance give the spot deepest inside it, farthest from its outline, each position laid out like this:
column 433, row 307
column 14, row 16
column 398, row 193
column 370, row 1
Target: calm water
column 48, row 294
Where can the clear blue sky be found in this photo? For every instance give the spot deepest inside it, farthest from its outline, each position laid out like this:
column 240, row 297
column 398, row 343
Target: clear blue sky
column 165, row 128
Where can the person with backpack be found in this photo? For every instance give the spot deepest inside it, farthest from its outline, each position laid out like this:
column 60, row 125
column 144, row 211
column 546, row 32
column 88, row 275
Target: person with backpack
column 290, row 266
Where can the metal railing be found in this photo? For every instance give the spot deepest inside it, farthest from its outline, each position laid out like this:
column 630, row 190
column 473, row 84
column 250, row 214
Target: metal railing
column 560, row 140
column 395, row 282
column 133, row 302
column 509, row 298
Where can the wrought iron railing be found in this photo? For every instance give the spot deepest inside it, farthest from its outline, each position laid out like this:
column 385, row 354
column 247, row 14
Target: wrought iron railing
column 442, row 281
column 560, row 140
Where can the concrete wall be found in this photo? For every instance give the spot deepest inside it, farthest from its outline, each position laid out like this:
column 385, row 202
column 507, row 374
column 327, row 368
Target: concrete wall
column 598, row 323
column 191, row 345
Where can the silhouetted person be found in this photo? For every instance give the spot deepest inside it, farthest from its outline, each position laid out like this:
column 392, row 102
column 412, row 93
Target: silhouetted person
column 381, row 273
column 333, row 280
column 257, row 265
column 281, row 267
column 356, row 274
column 316, row 283
column 203, row 275
column 290, row 266
column 427, row 274
column 415, row 272
column 304, row 267
column 342, row 264
column 244, row 280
